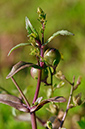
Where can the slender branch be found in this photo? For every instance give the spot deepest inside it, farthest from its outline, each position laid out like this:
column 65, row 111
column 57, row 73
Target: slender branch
column 69, row 101
column 20, row 91
column 70, row 82
column 51, row 75
column 33, row 121
column 51, row 81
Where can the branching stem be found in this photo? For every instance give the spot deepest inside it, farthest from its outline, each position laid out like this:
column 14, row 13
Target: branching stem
column 69, row 101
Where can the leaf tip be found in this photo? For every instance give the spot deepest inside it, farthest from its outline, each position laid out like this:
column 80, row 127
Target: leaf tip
column 8, row 54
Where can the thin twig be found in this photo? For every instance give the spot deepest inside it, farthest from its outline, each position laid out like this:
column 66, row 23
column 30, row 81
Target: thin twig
column 20, row 91
column 51, row 81
column 69, row 101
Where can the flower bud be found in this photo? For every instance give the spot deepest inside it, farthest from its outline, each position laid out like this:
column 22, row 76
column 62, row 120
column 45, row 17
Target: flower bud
column 39, row 10
column 52, row 56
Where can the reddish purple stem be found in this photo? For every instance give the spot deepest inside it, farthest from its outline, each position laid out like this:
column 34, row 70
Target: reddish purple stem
column 33, row 117
column 33, row 121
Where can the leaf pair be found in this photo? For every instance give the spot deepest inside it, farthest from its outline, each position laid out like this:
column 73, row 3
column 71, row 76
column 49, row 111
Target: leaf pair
column 17, row 103
column 33, row 32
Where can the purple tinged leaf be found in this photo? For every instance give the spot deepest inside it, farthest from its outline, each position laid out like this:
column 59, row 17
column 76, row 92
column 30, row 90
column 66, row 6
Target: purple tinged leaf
column 19, row 66
column 13, row 101
column 58, row 99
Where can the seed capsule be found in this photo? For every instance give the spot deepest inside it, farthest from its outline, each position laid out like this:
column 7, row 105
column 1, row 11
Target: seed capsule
column 52, row 56
column 34, row 73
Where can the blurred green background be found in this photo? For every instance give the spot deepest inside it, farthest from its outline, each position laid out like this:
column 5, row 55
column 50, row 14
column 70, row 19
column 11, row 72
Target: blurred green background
column 61, row 14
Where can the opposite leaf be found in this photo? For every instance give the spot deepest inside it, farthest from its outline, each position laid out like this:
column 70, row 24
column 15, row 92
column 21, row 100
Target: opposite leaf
column 58, row 99
column 13, row 101
column 61, row 32
column 19, row 66
column 17, row 46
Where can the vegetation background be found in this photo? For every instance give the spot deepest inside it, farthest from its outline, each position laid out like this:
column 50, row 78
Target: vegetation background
column 61, row 14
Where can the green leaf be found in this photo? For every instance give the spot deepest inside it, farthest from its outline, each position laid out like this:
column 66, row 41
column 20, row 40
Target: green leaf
column 29, row 27
column 17, row 46
column 13, row 101
column 61, row 32
column 19, row 66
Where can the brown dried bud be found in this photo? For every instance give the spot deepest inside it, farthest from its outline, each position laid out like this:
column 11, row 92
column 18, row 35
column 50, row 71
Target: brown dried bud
column 77, row 99
column 60, row 114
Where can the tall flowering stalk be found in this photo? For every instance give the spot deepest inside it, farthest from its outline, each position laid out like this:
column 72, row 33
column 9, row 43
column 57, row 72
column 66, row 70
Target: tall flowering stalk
column 47, row 62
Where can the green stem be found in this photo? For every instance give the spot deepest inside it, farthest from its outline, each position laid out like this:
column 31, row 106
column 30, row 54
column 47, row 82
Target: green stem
column 51, row 80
